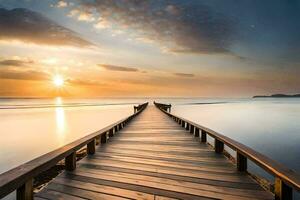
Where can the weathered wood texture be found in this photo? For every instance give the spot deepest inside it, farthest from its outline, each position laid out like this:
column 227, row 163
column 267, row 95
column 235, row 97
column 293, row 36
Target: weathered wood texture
column 154, row 158
column 287, row 180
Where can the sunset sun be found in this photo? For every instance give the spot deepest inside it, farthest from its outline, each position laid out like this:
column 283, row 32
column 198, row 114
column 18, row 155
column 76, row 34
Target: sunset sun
column 58, row 81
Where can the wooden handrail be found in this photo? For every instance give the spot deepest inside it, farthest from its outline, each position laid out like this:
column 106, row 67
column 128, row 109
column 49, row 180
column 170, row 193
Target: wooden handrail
column 285, row 179
column 139, row 107
column 21, row 177
column 165, row 107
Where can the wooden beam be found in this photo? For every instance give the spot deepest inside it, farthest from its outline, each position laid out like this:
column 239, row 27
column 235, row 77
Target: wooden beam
column 219, row 146
column 282, row 190
column 91, row 147
column 97, row 139
column 203, row 136
column 70, row 162
column 25, row 192
column 111, row 132
column 187, row 127
column 197, row 131
column 241, row 162
column 103, row 138
column 192, row 129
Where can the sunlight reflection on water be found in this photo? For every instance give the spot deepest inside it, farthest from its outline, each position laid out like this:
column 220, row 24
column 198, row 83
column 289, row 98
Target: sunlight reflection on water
column 60, row 121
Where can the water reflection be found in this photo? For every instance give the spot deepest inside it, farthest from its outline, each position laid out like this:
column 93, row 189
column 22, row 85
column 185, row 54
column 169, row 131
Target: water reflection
column 60, row 121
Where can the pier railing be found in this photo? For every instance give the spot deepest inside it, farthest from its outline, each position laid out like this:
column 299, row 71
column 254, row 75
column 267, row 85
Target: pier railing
column 285, row 179
column 21, row 178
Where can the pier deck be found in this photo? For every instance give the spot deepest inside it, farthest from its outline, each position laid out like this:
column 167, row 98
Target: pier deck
column 154, row 158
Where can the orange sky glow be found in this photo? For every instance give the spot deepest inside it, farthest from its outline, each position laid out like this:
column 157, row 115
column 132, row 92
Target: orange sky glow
column 98, row 55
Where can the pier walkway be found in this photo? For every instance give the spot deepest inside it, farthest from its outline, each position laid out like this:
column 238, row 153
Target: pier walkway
column 153, row 157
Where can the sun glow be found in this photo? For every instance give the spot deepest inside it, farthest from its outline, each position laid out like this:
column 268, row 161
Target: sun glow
column 58, row 81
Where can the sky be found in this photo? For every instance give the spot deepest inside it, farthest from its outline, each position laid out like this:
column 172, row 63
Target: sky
column 138, row 48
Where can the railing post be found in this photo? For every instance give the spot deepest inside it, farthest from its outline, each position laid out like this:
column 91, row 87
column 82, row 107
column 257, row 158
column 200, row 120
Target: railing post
column 282, row 190
column 103, row 138
column 219, row 146
column 197, row 132
column 91, row 147
column 25, row 192
column 192, row 129
column 187, row 126
column 70, row 162
column 241, row 162
column 183, row 124
column 111, row 132
column 203, row 136
column 97, row 140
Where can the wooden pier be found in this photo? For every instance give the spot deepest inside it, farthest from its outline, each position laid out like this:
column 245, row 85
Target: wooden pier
column 149, row 156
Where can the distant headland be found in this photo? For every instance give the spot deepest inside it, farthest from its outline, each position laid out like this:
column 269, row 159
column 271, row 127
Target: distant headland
column 278, row 96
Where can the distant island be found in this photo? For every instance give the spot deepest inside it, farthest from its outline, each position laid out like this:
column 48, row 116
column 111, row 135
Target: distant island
column 277, row 96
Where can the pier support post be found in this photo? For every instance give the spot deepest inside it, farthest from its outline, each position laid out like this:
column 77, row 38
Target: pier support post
column 219, row 146
column 241, row 162
column 282, row 190
column 192, row 129
column 111, row 132
column 103, row 138
column 97, row 139
column 203, row 136
column 70, row 162
column 197, row 131
column 91, row 147
column 183, row 124
column 187, row 126
column 25, row 192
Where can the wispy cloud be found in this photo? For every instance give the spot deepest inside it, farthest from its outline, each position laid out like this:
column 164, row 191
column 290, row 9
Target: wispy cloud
column 185, row 75
column 28, row 26
column 84, row 82
column 177, row 27
column 23, row 75
column 62, row 4
column 118, row 68
column 16, row 63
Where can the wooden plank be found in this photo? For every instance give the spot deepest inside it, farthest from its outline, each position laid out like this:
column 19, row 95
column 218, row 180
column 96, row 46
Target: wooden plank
column 174, row 171
column 118, row 176
column 252, row 186
column 155, row 158
column 161, row 185
column 86, row 194
column 103, row 189
column 141, row 188
column 174, row 163
column 50, row 194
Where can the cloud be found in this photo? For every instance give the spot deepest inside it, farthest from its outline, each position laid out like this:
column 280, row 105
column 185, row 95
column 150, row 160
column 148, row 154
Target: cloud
column 185, row 75
column 86, row 82
column 62, row 4
column 175, row 26
column 118, row 68
column 16, row 63
column 28, row 26
column 23, row 75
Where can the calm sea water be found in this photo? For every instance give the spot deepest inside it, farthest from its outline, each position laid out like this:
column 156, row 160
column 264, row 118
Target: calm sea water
column 32, row 127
